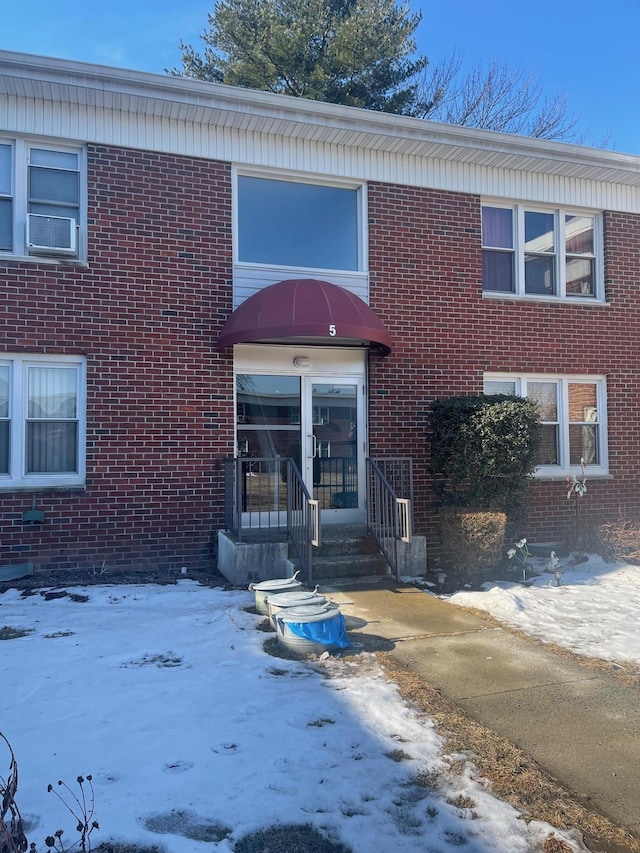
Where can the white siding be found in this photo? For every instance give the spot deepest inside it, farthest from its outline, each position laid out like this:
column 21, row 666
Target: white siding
column 557, row 183
column 249, row 279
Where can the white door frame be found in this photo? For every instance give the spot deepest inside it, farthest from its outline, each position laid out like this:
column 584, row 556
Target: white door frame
column 324, row 453
column 319, row 365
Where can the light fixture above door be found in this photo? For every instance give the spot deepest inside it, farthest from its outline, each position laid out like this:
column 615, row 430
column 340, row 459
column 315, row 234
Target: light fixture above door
column 302, row 362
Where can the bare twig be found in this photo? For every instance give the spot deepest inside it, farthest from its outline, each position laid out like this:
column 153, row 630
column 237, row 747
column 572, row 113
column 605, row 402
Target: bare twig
column 12, row 836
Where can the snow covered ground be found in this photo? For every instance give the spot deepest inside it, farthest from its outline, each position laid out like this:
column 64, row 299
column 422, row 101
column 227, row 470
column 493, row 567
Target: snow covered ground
column 593, row 611
column 191, row 730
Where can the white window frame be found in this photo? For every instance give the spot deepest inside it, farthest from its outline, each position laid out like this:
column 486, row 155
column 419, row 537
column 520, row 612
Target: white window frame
column 18, row 411
column 8, row 194
column 519, row 209
column 564, row 468
column 20, row 163
column 309, row 179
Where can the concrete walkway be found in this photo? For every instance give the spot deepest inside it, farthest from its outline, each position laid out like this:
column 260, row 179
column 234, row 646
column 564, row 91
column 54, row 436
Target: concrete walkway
column 582, row 727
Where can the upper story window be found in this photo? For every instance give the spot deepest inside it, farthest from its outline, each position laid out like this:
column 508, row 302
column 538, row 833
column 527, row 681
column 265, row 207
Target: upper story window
column 6, row 199
column 531, row 252
column 572, row 414
column 42, row 421
column 40, row 199
column 298, row 224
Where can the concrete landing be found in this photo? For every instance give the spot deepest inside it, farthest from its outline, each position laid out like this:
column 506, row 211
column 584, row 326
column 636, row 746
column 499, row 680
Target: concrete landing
column 582, row 727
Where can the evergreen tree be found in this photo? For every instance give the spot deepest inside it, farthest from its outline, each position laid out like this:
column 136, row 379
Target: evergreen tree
column 362, row 53
column 359, row 53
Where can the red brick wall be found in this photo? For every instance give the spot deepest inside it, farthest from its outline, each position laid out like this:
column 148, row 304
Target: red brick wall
column 146, row 312
column 425, row 258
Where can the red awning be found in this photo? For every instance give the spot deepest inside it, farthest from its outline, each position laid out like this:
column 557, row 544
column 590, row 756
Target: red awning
column 304, row 309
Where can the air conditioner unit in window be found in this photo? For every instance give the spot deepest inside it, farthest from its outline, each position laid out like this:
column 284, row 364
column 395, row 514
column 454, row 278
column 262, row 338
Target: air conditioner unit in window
column 51, row 235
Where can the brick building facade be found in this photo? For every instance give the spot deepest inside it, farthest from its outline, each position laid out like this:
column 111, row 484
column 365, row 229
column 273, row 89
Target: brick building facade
column 118, row 409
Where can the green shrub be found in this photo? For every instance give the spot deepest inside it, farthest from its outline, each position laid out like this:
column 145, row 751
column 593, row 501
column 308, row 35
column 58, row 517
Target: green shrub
column 484, row 450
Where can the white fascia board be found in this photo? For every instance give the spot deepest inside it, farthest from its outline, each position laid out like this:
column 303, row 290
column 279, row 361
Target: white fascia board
column 147, row 94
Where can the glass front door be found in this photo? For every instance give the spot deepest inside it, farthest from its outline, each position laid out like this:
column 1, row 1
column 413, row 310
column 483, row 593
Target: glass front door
column 318, row 421
column 334, row 449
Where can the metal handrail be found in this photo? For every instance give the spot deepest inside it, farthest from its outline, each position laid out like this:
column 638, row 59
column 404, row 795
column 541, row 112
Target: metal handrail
column 268, row 493
column 398, row 472
column 303, row 519
column 388, row 514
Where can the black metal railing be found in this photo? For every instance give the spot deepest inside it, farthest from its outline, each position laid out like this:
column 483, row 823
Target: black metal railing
column 303, row 520
column 268, row 494
column 389, row 506
column 398, row 472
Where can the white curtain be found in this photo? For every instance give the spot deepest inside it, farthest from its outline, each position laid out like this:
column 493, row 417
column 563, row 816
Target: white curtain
column 52, row 426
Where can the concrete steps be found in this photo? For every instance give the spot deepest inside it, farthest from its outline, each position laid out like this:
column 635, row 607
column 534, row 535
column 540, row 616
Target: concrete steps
column 347, row 552
column 349, row 566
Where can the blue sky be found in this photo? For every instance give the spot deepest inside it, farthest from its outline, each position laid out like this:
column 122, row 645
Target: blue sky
column 588, row 51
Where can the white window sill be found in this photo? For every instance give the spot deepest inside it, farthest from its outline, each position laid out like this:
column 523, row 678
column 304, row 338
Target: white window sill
column 39, row 484
column 561, row 475
column 315, row 271
column 43, row 259
column 556, row 300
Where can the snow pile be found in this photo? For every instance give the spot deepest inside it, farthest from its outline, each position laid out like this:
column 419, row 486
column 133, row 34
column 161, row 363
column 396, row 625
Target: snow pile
column 593, row 610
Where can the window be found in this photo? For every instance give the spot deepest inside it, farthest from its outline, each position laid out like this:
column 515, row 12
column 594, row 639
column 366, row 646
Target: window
column 291, row 223
column 540, row 252
column 572, row 414
column 320, row 415
column 324, row 449
column 41, row 421
column 6, row 199
column 40, row 199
